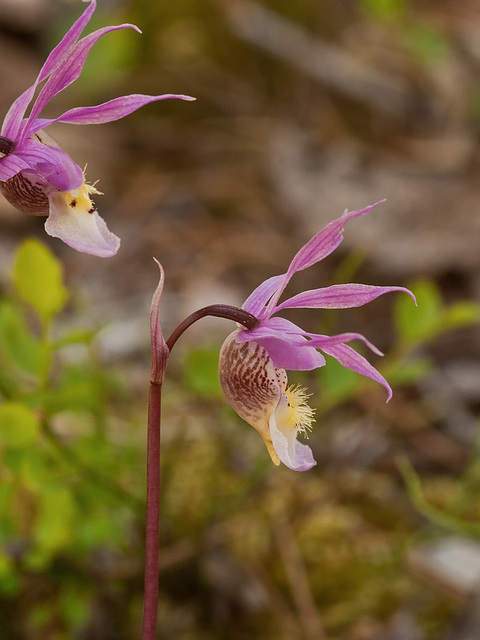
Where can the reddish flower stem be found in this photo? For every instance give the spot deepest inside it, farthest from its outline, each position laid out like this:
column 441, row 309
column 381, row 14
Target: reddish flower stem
column 150, row 603
column 160, row 353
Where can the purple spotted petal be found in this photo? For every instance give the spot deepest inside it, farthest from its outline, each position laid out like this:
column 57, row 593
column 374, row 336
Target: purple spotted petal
column 338, row 296
column 316, row 249
column 349, row 358
column 108, row 111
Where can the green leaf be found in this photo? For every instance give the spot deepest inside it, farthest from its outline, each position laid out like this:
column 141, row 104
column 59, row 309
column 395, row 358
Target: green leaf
column 19, row 425
column 34, row 469
column 19, row 348
column 38, row 279
column 54, row 523
column 80, row 389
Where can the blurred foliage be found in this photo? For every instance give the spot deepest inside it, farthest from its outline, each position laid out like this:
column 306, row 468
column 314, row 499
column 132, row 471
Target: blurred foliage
column 67, row 489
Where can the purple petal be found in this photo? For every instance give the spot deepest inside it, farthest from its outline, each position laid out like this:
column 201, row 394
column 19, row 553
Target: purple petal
column 338, row 296
column 289, row 355
column 16, row 112
column 286, row 344
column 257, row 300
column 316, row 249
column 10, row 166
column 273, row 327
column 51, row 164
column 325, row 241
column 13, row 119
column 69, row 70
column 81, row 230
column 294, row 349
column 349, row 358
column 324, row 342
column 63, row 48
column 288, row 331
column 108, row 111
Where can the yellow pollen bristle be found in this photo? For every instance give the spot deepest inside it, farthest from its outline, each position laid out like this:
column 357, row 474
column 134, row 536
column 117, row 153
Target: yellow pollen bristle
column 91, row 188
column 301, row 415
column 80, row 198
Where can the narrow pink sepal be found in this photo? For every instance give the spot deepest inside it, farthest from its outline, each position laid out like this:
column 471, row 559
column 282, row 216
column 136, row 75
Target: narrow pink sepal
column 110, row 111
column 349, row 358
column 256, row 301
column 69, row 70
column 316, row 249
column 338, row 296
column 13, row 119
column 324, row 342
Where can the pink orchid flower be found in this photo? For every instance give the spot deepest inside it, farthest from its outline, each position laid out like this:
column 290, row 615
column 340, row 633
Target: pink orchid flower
column 253, row 362
column 36, row 175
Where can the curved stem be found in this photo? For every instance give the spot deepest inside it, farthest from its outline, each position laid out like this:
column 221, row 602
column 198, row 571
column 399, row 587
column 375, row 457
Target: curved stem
column 226, row 311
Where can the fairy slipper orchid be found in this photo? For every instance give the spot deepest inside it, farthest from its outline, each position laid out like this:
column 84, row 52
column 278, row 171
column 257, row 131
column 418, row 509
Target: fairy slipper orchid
column 36, row 175
column 253, row 362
